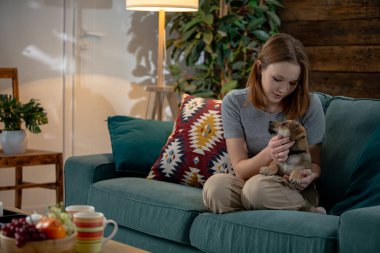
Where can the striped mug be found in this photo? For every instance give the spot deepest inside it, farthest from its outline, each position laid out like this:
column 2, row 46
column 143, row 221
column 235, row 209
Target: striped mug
column 90, row 231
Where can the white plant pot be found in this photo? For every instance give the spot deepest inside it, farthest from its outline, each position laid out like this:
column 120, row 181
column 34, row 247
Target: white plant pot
column 14, row 142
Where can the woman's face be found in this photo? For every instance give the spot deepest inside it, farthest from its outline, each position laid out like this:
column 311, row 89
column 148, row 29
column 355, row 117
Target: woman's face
column 279, row 80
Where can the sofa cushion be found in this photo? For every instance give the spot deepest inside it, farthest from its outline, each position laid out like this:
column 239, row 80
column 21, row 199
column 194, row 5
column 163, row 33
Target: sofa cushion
column 156, row 208
column 349, row 125
column 196, row 149
column 359, row 230
column 136, row 143
column 325, row 100
column 265, row 231
column 364, row 188
column 149, row 243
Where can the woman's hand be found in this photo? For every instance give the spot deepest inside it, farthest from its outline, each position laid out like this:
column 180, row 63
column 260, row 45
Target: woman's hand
column 307, row 178
column 279, row 148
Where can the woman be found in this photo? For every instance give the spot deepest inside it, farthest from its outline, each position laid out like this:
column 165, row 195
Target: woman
column 277, row 89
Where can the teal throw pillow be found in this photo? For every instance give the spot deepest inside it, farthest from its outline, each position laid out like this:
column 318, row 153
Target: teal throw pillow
column 136, row 143
column 364, row 187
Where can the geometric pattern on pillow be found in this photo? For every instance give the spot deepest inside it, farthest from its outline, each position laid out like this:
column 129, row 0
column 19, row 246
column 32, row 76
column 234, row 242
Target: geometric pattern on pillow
column 196, row 149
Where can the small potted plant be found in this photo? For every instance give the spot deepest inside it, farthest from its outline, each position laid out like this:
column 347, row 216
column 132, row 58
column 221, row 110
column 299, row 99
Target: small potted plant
column 12, row 114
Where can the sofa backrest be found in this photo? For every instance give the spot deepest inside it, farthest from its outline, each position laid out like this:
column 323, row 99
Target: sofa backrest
column 349, row 125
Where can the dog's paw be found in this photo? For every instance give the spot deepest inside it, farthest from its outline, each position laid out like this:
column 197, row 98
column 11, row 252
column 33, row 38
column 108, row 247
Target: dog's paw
column 294, row 184
column 285, row 182
column 266, row 171
column 295, row 179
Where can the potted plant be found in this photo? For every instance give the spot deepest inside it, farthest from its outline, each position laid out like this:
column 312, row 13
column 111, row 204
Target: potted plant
column 219, row 43
column 12, row 114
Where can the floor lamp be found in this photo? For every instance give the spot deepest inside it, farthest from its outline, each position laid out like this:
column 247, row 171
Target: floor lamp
column 160, row 90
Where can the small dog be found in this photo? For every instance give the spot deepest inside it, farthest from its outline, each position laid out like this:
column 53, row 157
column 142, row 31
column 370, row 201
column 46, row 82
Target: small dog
column 298, row 158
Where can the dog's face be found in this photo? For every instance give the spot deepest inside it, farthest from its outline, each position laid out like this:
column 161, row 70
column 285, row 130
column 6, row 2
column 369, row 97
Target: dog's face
column 289, row 128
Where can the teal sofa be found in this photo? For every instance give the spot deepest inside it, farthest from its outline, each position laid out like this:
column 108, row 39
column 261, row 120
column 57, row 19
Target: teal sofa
column 167, row 217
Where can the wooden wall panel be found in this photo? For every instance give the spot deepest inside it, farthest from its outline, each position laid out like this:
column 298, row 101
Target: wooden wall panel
column 342, row 39
column 350, row 84
column 299, row 10
column 345, row 58
column 336, row 32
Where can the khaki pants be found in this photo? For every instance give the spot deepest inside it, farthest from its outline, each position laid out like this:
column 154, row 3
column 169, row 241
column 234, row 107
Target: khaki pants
column 226, row 193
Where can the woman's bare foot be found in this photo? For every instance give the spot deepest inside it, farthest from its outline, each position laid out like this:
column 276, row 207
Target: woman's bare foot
column 320, row 210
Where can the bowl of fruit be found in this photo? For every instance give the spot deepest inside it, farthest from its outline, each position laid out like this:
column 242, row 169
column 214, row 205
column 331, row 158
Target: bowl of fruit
column 53, row 232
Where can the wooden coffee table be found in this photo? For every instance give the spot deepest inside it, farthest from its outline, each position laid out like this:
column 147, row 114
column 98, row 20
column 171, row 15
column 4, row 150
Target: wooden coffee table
column 117, row 247
column 109, row 247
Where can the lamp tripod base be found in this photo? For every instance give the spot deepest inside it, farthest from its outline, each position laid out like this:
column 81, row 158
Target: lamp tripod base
column 156, row 106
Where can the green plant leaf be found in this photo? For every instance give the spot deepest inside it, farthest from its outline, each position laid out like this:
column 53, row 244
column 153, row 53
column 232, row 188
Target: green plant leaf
column 274, row 17
column 255, row 23
column 230, row 85
column 189, row 33
column 188, row 50
column 261, row 35
column 274, row 2
column 238, row 65
column 209, row 19
column 207, row 37
column 252, row 45
column 175, row 70
column 191, row 24
column 203, row 93
column 222, row 33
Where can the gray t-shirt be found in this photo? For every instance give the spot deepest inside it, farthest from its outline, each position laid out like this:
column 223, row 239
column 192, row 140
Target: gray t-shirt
column 242, row 120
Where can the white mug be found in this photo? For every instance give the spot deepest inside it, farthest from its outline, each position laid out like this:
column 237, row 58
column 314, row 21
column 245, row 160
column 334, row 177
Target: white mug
column 79, row 208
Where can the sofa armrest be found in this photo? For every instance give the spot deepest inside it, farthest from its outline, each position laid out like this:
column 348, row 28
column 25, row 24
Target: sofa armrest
column 81, row 172
column 359, row 230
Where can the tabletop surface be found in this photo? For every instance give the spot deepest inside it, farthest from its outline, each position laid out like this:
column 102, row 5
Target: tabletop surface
column 29, row 152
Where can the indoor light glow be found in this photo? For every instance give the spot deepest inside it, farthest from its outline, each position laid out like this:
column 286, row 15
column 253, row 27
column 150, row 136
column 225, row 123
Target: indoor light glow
column 165, row 5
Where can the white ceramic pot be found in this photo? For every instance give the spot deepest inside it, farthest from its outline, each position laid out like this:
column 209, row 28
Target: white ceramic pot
column 14, row 142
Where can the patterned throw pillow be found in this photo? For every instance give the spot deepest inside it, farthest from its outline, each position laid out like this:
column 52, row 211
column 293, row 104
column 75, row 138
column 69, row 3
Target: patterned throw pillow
column 196, row 149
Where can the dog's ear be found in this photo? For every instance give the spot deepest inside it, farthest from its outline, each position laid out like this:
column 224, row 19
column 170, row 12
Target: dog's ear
column 300, row 135
column 297, row 131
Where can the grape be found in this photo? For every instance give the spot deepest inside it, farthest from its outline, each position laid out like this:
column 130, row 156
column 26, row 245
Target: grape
column 22, row 231
column 57, row 212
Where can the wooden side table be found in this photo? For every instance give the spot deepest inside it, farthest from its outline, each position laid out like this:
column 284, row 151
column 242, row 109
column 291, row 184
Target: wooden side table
column 32, row 158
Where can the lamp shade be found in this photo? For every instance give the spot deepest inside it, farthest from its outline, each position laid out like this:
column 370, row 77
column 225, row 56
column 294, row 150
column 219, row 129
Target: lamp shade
column 165, row 5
